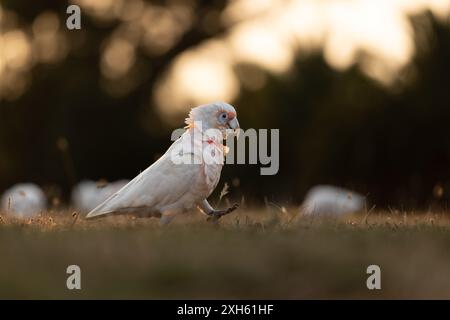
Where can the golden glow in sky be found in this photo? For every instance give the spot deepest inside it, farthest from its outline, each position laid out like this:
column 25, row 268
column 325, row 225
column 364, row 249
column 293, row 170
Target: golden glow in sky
column 267, row 34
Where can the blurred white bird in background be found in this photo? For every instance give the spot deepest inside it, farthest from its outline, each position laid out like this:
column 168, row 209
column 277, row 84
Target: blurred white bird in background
column 24, row 200
column 88, row 194
column 171, row 185
column 330, row 200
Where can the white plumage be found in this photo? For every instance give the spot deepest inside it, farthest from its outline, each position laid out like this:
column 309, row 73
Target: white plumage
column 24, row 200
column 87, row 194
column 330, row 200
column 185, row 176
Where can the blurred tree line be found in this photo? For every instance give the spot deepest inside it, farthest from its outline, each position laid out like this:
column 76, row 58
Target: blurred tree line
column 340, row 128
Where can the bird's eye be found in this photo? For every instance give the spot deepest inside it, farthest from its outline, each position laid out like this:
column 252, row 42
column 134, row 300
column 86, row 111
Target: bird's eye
column 223, row 117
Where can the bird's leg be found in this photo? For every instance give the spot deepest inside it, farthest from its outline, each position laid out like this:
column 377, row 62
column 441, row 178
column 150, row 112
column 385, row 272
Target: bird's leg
column 213, row 214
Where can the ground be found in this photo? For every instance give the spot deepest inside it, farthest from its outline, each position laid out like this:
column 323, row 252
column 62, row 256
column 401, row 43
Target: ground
column 252, row 253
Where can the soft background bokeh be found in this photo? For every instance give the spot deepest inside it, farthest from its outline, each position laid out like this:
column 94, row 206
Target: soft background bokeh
column 360, row 91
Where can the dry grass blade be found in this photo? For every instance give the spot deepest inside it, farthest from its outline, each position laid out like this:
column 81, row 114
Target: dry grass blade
column 368, row 213
column 75, row 216
column 223, row 192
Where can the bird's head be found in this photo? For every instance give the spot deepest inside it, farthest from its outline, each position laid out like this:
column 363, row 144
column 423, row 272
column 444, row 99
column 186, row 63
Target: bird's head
column 218, row 115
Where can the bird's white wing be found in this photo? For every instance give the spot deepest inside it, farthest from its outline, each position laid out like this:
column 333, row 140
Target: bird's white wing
column 161, row 184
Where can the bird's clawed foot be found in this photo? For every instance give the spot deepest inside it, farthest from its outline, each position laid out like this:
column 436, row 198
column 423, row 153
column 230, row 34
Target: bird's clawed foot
column 217, row 214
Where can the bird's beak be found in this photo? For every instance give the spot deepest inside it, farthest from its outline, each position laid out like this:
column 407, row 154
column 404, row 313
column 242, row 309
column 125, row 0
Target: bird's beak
column 234, row 124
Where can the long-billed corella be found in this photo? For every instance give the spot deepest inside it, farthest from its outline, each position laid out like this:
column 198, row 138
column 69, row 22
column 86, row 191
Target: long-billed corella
column 185, row 176
column 88, row 194
column 24, row 200
column 331, row 200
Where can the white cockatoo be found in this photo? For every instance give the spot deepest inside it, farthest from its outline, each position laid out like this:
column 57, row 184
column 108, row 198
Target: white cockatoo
column 185, row 176
column 88, row 194
column 24, row 200
column 330, row 200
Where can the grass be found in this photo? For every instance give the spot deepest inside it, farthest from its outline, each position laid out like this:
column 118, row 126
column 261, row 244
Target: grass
column 249, row 254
